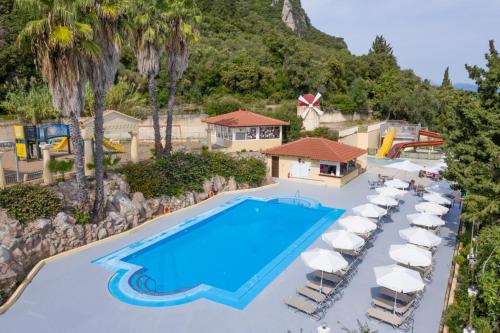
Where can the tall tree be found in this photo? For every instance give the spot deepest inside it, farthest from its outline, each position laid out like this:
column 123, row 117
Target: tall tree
column 182, row 18
column 446, row 83
column 381, row 46
column 148, row 36
column 107, row 18
column 61, row 43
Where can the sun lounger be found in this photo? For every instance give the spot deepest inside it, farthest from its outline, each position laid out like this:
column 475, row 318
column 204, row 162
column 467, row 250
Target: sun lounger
column 404, row 298
column 312, row 295
column 352, row 253
column 324, row 289
column 388, row 304
column 424, row 271
column 388, row 317
column 310, row 309
column 329, row 276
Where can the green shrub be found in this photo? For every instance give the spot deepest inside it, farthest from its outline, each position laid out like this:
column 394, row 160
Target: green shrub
column 183, row 172
column 222, row 105
column 61, row 166
column 27, row 203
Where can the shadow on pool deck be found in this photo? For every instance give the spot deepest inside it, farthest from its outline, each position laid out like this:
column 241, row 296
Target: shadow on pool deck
column 70, row 294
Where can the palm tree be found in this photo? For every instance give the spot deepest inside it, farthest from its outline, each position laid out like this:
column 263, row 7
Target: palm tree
column 107, row 21
column 182, row 18
column 61, row 43
column 148, row 35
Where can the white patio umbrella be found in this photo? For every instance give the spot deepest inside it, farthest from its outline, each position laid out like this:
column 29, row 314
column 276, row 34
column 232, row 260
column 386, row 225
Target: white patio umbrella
column 425, row 220
column 324, row 260
column 419, row 236
column 405, row 165
column 410, row 255
column 369, row 210
column 398, row 279
column 357, row 224
column 441, row 188
column 437, row 198
column 382, row 200
column 343, row 240
column 397, row 183
column 390, row 192
column 431, row 208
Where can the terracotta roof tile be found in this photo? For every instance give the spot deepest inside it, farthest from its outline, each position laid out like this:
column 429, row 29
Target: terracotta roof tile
column 318, row 149
column 243, row 118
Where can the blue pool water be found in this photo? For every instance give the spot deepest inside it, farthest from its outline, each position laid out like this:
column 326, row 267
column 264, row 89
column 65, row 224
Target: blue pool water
column 227, row 255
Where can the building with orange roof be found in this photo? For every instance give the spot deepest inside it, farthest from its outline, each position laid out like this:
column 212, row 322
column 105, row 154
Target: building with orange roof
column 244, row 130
column 316, row 159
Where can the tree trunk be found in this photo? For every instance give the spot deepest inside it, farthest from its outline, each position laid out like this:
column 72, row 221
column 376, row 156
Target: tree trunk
column 170, row 115
column 156, row 120
column 98, row 208
column 77, row 141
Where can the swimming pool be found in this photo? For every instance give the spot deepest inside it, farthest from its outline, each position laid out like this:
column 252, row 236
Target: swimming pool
column 227, row 255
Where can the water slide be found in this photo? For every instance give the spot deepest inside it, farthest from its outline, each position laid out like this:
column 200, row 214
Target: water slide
column 398, row 147
column 108, row 144
column 61, row 144
column 387, row 143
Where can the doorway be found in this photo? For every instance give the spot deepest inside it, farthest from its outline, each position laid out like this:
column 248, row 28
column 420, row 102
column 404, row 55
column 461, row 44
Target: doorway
column 275, row 167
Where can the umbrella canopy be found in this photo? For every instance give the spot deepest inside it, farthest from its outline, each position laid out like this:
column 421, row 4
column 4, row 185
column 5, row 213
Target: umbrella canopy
column 324, row 260
column 397, row 183
column 399, row 279
column 411, row 255
column 425, row 220
column 437, row 198
column 382, row 200
column 390, row 191
column 431, row 208
column 357, row 224
column 440, row 166
column 369, row 210
column 343, row 240
column 419, row 236
column 405, row 166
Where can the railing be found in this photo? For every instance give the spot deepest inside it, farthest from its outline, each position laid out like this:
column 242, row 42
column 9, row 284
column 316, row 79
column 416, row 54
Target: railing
column 144, row 287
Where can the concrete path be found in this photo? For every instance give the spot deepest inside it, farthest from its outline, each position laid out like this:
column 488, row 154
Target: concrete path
column 70, row 294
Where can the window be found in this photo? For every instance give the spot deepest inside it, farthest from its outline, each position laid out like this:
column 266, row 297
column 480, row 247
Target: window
column 218, row 131
column 239, row 133
column 251, row 133
column 226, row 132
column 328, row 168
column 269, row 132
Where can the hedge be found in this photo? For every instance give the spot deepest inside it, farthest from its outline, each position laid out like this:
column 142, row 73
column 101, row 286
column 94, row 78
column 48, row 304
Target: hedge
column 182, row 172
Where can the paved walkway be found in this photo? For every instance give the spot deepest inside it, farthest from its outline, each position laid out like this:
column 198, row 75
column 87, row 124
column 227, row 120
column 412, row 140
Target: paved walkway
column 70, row 294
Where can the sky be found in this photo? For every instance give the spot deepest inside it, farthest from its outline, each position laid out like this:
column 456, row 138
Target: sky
column 426, row 35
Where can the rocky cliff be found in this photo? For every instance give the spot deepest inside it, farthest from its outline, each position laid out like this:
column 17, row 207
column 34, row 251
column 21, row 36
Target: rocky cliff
column 294, row 16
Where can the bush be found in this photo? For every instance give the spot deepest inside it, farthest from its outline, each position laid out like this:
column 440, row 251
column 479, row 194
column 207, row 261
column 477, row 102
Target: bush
column 183, row 172
column 222, row 105
column 27, row 203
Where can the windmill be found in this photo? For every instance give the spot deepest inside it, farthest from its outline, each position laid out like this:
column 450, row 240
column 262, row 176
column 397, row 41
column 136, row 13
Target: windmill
column 310, row 103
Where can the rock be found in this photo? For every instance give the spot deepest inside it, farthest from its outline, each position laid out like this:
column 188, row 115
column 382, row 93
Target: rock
column 63, row 221
column 294, row 18
column 208, row 186
column 5, row 255
column 218, row 183
column 138, row 201
column 40, row 225
column 231, row 185
column 123, row 203
column 102, row 233
column 152, row 207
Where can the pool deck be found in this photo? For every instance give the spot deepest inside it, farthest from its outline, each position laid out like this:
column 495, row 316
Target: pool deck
column 70, row 294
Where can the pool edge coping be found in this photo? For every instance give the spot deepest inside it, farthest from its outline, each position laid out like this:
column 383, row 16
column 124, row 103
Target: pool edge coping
column 39, row 265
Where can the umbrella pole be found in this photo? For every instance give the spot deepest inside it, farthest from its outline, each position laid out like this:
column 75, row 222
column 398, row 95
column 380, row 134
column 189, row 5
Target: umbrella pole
column 321, row 283
column 395, row 301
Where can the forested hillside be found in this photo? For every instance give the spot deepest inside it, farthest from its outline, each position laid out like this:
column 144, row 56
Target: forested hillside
column 246, row 56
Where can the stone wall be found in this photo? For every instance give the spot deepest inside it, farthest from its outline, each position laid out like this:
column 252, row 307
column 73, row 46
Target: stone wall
column 22, row 246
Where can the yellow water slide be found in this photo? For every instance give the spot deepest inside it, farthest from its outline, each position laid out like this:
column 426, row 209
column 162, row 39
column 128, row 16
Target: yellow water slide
column 108, row 144
column 61, row 144
column 387, row 143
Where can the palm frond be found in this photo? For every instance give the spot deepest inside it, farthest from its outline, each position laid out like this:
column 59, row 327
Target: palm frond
column 62, row 37
column 33, row 30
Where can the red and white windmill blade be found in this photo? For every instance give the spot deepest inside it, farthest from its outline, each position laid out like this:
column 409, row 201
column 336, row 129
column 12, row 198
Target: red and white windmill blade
column 310, row 106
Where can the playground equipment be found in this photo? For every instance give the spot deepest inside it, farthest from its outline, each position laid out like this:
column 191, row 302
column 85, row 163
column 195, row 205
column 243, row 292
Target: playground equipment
column 387, row 143
column 108, row 144
column 61, row 144
column 397, row 148
column 29, row 137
